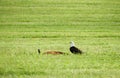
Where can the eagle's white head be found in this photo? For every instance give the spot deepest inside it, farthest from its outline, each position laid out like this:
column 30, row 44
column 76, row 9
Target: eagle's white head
column 72, row 44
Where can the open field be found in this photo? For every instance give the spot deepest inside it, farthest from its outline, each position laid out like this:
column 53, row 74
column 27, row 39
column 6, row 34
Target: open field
column 93, row 25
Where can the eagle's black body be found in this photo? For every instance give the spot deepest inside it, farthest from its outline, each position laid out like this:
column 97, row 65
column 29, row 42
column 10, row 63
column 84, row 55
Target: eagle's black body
column 38, row 51
column 75, row 50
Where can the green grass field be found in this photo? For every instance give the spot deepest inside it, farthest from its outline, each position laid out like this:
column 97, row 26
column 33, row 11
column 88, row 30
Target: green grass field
column 26, row 25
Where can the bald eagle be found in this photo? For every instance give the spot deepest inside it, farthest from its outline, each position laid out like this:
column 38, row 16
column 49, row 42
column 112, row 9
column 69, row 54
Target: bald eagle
column 74, row 49
column 53, row 52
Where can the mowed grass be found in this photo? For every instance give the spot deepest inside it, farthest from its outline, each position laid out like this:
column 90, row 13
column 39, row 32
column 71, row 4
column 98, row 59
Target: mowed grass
column 93, row 25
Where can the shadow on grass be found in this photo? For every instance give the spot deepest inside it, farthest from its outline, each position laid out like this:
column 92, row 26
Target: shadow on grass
column 5, row 73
